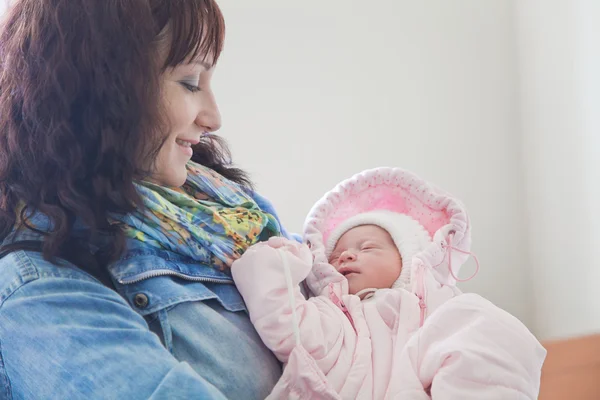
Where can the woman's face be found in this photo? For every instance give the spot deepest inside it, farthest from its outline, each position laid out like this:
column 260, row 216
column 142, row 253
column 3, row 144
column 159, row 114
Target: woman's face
column 191, row 111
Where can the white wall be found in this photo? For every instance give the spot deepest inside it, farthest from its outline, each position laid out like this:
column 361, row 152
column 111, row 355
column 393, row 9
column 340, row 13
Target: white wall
column 560, row 64
column 314, row 91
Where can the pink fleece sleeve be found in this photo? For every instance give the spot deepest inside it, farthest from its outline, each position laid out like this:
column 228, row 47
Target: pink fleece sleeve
column 470, row 349
column 260, row 277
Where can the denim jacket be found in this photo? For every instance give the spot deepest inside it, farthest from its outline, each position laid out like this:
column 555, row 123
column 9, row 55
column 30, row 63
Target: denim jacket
column 172, row 329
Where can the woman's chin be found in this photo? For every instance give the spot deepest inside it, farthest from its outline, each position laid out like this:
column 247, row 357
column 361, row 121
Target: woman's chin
column 179, row 181
column 170, row 179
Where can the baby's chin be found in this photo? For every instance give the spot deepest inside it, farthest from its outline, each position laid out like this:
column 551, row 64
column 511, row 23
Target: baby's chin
column 353, row 288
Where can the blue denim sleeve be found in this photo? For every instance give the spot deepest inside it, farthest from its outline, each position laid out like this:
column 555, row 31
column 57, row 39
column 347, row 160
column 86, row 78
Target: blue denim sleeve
column 65, row 337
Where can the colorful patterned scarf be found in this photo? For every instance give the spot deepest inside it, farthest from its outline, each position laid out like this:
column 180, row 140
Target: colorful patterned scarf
column 210, row 219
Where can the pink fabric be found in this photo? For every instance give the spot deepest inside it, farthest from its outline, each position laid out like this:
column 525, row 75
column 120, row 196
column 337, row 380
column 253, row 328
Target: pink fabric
column 386, row 198
column 389, row 189
column 466, row 349
column 396, row 190
column 428, row 341
column 303, row 380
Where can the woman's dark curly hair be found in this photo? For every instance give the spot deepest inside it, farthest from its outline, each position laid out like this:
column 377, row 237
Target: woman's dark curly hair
column 80, row 107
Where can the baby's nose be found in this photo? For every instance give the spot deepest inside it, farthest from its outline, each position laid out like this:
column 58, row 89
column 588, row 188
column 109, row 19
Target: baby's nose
column 348, row 255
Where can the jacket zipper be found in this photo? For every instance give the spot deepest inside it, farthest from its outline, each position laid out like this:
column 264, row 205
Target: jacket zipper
column 167, row 272
column 347, row 313
column 423, row 307
column 340, row 304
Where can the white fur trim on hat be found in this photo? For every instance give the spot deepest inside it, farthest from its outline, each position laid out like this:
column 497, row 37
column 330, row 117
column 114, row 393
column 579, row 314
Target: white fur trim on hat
column 407, row 233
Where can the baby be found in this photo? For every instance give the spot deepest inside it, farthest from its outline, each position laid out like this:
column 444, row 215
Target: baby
column 368, row 250
column 385, row 319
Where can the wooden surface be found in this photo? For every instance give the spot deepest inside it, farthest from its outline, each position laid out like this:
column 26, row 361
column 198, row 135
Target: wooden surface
column 572, row 370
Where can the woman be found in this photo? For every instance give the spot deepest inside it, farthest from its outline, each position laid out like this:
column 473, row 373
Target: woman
column 114, row 281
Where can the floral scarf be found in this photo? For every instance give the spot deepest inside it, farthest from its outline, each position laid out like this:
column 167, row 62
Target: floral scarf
column 210, row 219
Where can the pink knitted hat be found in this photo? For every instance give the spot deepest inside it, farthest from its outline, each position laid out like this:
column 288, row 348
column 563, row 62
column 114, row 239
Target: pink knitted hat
column 367, row 197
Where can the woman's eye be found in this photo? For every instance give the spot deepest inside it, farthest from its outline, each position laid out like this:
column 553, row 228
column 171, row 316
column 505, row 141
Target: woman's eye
column 190, row 87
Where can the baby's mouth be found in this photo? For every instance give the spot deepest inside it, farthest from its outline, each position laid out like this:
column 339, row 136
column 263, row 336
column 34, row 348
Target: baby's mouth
column 347, row 271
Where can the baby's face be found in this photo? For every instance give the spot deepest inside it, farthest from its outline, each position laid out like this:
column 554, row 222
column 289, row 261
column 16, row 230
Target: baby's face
column 367, row 257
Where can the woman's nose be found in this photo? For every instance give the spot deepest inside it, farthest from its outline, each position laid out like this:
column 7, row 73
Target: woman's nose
column 209, row 117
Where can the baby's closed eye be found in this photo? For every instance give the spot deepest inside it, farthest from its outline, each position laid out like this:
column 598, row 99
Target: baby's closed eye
column 369, row 246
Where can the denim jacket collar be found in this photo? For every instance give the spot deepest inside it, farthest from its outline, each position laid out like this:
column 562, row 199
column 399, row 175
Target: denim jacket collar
column 142, row 262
